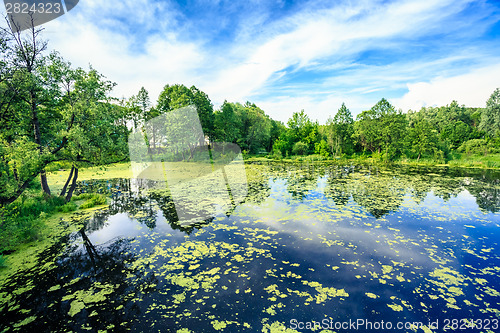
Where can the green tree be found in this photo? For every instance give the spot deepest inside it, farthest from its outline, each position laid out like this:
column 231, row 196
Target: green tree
column 138, row 108
column 178, row 96
column 340, row 130
column 226, row 124
column 300, row 148
column 301, row 128
column 381, row 129
column 255, row 130
column 423, row 138
column 490, row 117
column 51, row 112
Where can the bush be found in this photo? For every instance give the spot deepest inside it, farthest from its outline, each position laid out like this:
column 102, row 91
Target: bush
column 277, row 155
column 22, row 220
column 475, row 146
column 93, row 200
column 300, row 148
column 67, row 208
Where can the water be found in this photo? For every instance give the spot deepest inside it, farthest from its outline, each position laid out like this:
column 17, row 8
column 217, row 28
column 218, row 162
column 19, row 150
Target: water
column 310, row 245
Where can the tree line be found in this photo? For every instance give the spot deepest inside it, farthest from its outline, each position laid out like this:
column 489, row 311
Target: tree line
column 52, row 112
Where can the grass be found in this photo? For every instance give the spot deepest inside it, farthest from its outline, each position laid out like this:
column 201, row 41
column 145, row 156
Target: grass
column 26, row 220
column 91, row 200
column 22, row 221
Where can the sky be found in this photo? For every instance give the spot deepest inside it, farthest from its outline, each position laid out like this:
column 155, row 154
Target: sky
column 286, row 56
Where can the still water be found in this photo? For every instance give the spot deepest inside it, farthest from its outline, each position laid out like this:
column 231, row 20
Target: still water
column 336, row 248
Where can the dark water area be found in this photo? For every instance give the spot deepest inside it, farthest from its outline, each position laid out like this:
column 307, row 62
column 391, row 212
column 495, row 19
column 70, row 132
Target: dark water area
column 311, row 245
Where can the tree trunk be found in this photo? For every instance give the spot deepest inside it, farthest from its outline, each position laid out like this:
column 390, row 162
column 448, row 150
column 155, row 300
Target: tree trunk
column 63, row 191
column 38, row 140
column 73, row 186
column 45, row 184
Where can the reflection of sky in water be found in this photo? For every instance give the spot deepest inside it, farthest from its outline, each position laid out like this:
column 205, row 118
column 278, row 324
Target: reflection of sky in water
column 119, row 225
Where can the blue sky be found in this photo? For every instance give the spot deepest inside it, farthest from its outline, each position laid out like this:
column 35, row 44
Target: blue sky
column 291, row 55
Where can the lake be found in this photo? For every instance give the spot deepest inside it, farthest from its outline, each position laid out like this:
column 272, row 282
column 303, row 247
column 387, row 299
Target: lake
column 311, row 247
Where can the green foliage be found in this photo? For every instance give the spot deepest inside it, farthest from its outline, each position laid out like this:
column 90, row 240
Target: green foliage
column 246, row 125
column 322, row 149
column 72, row 119
column 300, row 148
column 299, row 128
column 340, row 130
column 67, row 208
column 490, row 118
column 382, row 129
column 23, row 220
column 3, row 264
column 178, row 96
column 92, row 200
column 478, row 146
column 422, row 139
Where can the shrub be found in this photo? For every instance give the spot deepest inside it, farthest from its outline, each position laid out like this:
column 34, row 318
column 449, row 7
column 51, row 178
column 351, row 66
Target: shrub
column 300, row 148
column 23, row 220
column 474, row 146
column 67, row 208
column 95, row 199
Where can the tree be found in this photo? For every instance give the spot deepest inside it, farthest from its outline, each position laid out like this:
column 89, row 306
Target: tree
column 340, row 131
column 23, row 59
column 301, row 128
column 51, row 112
column 300, row 148
column 490, row 118
column 226, row 124
column 381, row 129
column 138, row 108
column 178, row 96
column 423, row 138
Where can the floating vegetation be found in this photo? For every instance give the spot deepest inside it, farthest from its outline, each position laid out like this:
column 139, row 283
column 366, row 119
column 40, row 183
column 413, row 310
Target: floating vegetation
column 309, row 242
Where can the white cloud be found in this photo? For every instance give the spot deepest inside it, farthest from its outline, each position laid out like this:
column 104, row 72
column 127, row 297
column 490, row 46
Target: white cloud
column 163, row 59
column 252, row 67
column 472, row 89
column 319, row 108
column 336, row 34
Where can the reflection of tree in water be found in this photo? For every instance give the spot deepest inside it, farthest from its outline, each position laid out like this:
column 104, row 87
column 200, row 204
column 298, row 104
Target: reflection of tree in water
column 300, row 178
column 382, row 190
column 487, row 194
column 338, row 185
column 379, row 190
column 87, row 286
column 141, row 200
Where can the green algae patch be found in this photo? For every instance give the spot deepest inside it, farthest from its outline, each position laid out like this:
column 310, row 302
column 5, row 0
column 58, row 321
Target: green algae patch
column 25, row 322
column 277, row 327
column 76, row 307
column 395, row 307
column 57, row 179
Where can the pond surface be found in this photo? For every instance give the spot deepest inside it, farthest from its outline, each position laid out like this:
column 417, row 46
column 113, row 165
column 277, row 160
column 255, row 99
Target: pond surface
column 310, row 245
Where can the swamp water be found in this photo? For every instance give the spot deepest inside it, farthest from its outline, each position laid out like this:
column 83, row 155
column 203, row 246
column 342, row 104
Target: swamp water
column 310, row 245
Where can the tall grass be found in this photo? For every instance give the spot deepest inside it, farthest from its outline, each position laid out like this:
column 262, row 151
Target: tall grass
column 92, row 200
column 23, row 220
